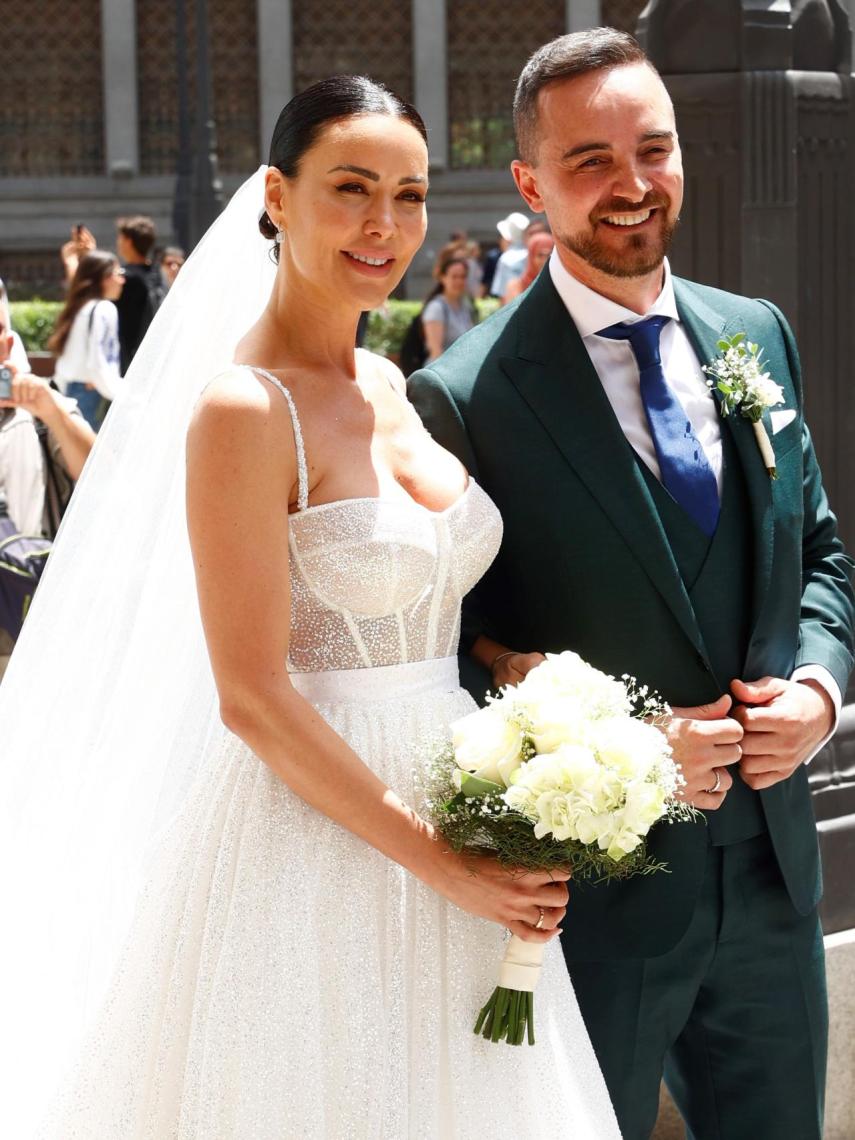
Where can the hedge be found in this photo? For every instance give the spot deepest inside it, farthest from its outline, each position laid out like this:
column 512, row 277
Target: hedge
column 34, row 321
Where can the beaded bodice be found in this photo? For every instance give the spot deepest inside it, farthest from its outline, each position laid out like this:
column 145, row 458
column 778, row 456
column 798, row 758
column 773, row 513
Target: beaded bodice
column 379, row 581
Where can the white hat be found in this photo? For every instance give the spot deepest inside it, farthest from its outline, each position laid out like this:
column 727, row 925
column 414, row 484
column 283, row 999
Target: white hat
column 513, row 227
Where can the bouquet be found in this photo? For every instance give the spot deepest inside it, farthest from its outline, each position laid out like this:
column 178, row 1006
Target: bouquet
column 567, row 770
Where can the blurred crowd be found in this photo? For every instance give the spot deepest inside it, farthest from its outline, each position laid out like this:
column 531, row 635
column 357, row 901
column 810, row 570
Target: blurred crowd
column 462, row 274
column 48, row 426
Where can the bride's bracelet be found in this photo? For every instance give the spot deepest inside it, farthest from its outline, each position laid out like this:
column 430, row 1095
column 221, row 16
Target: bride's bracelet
column 500, row 657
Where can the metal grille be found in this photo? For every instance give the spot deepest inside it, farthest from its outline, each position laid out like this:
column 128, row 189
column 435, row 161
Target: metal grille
column 51, row 97
column 32, row 273
column 622, row 14
column 232, row 35
column 489, row 41
column 354, row 37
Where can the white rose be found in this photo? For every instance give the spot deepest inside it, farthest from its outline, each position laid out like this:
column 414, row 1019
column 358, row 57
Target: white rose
column 554, row 720
column 487, row 744
column 630, row 748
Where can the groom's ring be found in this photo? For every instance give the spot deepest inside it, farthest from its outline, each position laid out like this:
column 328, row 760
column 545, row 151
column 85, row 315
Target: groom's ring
column 539, row 924
column 712, row 791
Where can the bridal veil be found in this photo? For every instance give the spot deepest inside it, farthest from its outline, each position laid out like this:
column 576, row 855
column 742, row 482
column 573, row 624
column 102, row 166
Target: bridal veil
column 109, row 702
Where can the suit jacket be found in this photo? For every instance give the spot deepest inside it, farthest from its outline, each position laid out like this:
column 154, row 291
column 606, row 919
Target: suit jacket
column 585, row 563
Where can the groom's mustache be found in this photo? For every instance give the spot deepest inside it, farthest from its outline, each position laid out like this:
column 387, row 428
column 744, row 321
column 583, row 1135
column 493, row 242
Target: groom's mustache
column 622, row 206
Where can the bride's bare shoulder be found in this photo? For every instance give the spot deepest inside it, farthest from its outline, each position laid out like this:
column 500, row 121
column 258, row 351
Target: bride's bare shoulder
column 236, row 408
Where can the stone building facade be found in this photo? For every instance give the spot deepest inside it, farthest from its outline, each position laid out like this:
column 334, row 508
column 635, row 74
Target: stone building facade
column 89, row 103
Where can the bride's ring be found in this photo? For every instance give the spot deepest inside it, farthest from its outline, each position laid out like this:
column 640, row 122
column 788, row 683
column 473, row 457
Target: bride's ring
column 712, row 791
column 539, row 924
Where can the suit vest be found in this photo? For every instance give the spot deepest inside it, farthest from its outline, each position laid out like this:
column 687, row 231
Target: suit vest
column 718, row 576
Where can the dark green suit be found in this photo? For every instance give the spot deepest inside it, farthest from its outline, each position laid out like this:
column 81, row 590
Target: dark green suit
column 595, row 558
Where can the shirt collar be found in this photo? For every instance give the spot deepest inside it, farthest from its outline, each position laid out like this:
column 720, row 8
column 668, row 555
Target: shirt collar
column 592, row 311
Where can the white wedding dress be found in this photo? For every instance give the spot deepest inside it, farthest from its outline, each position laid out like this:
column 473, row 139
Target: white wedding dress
column 285, row 980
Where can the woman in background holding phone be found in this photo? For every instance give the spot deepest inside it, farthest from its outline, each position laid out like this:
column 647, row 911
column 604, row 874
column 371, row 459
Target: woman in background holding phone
column 86, row 338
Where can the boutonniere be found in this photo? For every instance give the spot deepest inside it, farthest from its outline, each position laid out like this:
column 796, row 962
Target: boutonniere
column 738, row 377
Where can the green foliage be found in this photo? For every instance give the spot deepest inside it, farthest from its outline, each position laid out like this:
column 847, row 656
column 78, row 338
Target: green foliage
column 387, row 327
column 33, row 321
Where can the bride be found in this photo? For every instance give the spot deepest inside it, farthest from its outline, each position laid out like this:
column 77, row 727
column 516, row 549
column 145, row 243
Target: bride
column 226, row 919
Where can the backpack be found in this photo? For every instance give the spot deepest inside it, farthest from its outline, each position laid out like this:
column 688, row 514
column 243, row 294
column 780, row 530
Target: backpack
column 155, row 287
column 22, row 561
column 413, row 351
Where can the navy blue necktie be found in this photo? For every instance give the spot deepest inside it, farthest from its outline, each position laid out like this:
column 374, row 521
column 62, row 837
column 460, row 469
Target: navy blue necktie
column 684, row 467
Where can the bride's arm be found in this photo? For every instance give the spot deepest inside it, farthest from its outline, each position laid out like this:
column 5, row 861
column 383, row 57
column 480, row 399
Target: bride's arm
column 241, row 471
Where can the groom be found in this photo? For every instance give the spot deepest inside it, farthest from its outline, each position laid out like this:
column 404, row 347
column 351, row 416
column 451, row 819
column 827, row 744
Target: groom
column 644, row 531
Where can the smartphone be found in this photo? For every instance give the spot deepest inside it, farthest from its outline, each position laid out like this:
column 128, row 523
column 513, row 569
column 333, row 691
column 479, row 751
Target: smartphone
column 6, row 375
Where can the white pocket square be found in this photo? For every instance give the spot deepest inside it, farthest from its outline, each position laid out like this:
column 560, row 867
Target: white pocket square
column 781, row 419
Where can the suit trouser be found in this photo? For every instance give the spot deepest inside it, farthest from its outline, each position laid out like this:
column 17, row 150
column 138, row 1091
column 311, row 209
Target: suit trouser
column 735, row 1015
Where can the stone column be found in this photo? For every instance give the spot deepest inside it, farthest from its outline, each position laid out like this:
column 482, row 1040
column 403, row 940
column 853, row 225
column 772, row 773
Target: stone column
column 275, row 66
column 764, row 97
column 121, row 117
column 583, row 14
column 430, row 75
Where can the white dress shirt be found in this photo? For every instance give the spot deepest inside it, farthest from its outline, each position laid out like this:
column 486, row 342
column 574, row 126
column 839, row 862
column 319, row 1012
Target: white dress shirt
column 616, row 366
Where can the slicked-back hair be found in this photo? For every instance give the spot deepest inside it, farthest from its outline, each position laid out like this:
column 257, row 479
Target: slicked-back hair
column 302, row 121
column 578, row 53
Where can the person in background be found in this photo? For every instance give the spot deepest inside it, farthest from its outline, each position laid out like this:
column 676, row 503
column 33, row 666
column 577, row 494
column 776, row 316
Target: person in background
column 24, row 485
column 171, row 259
column 85, row 340
column 540, row 246
column 449, row 311
column 17, row 354
column 511, row 262
column 145, row 286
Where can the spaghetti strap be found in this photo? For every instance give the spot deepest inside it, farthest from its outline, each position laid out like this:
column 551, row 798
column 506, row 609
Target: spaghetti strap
column 302, row 469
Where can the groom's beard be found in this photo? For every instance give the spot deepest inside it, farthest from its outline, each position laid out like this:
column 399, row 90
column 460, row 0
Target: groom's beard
column 642, row 253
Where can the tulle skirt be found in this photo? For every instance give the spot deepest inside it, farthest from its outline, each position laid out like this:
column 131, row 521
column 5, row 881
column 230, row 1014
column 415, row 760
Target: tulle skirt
column 285, row 980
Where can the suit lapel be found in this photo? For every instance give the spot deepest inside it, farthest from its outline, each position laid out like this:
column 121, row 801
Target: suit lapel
column 554, row 375
column 705, row 328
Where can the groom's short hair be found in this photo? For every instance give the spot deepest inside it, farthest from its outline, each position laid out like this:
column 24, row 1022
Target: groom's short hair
column 578, row 53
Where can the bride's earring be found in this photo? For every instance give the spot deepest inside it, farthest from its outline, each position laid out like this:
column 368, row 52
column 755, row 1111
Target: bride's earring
column 279, row 235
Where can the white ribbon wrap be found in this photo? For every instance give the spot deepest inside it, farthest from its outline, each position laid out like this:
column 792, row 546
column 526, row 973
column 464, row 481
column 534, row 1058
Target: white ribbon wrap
column 765, row 445
column 521, row 966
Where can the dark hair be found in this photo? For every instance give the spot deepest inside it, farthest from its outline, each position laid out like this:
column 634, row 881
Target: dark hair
column 442, row 268
column 578, row 53
column 86, row 285
column 302, row 119
column 140, row 232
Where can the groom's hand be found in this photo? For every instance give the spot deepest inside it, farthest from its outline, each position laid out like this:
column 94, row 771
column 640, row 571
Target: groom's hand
column 784, row 723
column 704, row 740
column 511, row 669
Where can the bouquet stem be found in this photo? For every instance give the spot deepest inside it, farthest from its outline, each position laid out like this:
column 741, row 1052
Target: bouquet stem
column 509, row 1013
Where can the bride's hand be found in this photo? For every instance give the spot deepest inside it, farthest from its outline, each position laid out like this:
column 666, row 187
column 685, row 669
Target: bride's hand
column 512, row 898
